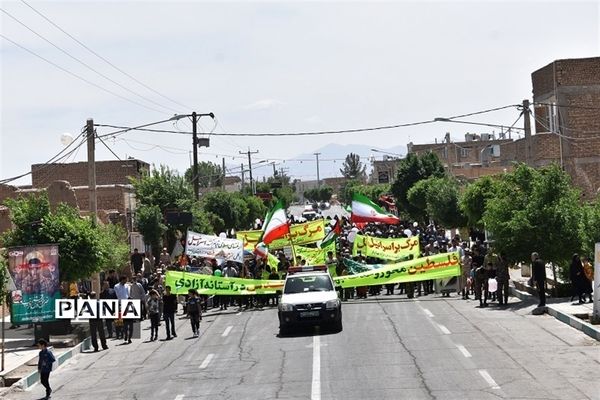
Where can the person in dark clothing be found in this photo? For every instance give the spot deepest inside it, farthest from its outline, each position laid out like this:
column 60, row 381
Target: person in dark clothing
column 481, row 293
column 503, row 277
column 45, row 361
column 578, row 279
column 539, row 276
column 97, row 329
column 112, row 278
column 137, row 261
column 108, row 294
column 169, row 311
column 194, row 310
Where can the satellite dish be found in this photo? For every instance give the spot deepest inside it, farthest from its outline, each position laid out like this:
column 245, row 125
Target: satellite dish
column 66, row 139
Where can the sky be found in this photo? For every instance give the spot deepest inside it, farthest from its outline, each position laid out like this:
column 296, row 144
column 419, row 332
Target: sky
column 271, row 67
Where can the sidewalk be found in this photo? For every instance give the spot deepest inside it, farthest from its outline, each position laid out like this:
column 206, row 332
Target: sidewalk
column 20, row 353
column 567, row 311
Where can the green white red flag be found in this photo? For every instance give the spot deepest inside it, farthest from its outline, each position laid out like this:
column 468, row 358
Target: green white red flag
column 276, row 224
column 332, row 235
column 364, row 210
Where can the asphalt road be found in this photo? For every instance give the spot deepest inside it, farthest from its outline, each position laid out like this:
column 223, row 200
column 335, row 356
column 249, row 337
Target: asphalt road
column 390, row 348
column 334, row 210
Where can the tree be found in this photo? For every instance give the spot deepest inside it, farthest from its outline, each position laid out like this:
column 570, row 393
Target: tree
column 412, row 169
column 353, row 168
column 85, row 248
column 590, row 227
column 536, row 210
column 149, row 222
column 437, row 198
column 474, row 199
column 209, row 174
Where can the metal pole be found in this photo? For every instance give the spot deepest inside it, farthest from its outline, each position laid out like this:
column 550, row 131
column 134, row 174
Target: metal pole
column 224, row 175
column 91, row 149
column 318, row 177
column 527, row 126
column 3, row 323
column 195, row 180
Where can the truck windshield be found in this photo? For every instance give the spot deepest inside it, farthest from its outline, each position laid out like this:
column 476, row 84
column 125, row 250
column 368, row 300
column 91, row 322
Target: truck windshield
column 301, row 284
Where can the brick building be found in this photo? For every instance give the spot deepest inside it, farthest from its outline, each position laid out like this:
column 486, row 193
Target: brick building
column 566, row 97
column 566, row 105
column 384, row 171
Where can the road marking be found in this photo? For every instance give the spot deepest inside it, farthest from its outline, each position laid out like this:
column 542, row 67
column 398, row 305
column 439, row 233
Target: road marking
column 227, row 330
column 428, row 313
column 179, row 397
column 315, row 393
column 485, row 375
column 463, row 350
column 240, row 313
column 443, row 329
column 206, row 361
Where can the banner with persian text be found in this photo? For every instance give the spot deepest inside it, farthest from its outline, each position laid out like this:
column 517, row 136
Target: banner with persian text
column 309, row 232
column 198, row 245
column 438, row 266
column 386, row 249
column 314, row 256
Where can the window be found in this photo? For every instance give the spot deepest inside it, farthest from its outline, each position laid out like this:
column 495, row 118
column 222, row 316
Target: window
column 301, row 284
column 464, row 152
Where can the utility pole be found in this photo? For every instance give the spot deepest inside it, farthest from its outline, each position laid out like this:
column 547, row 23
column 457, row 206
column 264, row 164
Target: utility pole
column 318, row 178
column 195, row 144
column 274, row 170
column 242, row 171
column 91, row 155
column 224, row 175
column 252, row 188
column 527, row 126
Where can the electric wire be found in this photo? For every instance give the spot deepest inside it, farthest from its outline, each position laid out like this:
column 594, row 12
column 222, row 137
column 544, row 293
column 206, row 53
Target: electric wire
column 103, row 58
column 89, row 67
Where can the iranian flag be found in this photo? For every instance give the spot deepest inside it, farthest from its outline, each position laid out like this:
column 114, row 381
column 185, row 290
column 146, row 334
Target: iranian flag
column 364, row 210
column 332, row 235
column 276, row 225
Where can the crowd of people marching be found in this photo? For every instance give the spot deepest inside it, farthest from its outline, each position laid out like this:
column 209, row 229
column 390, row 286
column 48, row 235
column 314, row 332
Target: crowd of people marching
column 484, row 275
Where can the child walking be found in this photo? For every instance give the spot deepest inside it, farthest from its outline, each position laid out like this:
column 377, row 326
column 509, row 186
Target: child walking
column 45, row 361
column 153, row 308
column 194, row 310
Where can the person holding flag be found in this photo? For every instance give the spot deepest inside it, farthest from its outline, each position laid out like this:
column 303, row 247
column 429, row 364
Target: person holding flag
column 276, row 226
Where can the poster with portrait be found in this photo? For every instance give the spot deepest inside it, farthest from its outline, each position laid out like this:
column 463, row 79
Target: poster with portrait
column 34, row 271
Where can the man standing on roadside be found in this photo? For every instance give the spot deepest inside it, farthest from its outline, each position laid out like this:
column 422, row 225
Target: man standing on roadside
column 502, row 276
column 108, row 294
column 97, row 329
column 538, row 268
column 169, row 311
column 45, row 361
column 137, row 261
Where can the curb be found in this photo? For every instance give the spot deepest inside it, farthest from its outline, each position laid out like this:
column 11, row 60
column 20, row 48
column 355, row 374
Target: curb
column 34, row 377
column 579, row 324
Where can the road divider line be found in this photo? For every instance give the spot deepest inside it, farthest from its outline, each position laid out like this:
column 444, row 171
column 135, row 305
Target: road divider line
column 428, row 313
column 463, row 350
column 207, row 361
column 444, row 330
column 315, row 393
column 240, row 313
column 179, row 397
column 488, row 378
column 227, row 330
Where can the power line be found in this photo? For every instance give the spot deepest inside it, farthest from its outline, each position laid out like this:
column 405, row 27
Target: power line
column 566, row 106
column 89, row 67
column 78, row 76
column 103, row 58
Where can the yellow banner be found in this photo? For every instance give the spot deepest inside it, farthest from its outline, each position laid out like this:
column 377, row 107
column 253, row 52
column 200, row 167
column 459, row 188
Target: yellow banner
column 314, row 256
column 386, row 249
column 309, row 232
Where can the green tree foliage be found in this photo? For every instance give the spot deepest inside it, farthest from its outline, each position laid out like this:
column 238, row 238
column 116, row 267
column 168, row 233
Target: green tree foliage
column 149, row 221
column 209, row 174
column 590, row 227
column 474, row 199
column 412, row 169
column 232, row 210
column 353, row 168
column 373, row 192
column 417, row 197
column 437, row 198
column 323, row 193
column 84, row 248
column 536, row 210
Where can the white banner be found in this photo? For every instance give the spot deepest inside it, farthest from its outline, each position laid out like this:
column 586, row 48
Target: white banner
column 198, row 245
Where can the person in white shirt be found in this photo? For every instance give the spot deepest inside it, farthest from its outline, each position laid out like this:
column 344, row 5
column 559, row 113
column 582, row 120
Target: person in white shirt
column 121, row 289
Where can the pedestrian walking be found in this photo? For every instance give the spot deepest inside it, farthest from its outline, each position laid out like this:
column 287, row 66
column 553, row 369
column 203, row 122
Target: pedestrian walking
column 97, row 329
column 502, row 277
column 588, row 269
column 108, row 294
column 137, row 261
column 45, row 361
column 465, row 267
column 169, row 311
column 578, row 279
column 154, row 314
column 538, row 268
column 194, row 309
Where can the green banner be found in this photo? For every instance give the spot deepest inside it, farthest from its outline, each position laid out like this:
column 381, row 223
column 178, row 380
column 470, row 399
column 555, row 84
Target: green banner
column 314, row 256
column 309, row 232
column 386, row 249
column 355, row 267
column 437, row 266
column 181, row 282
